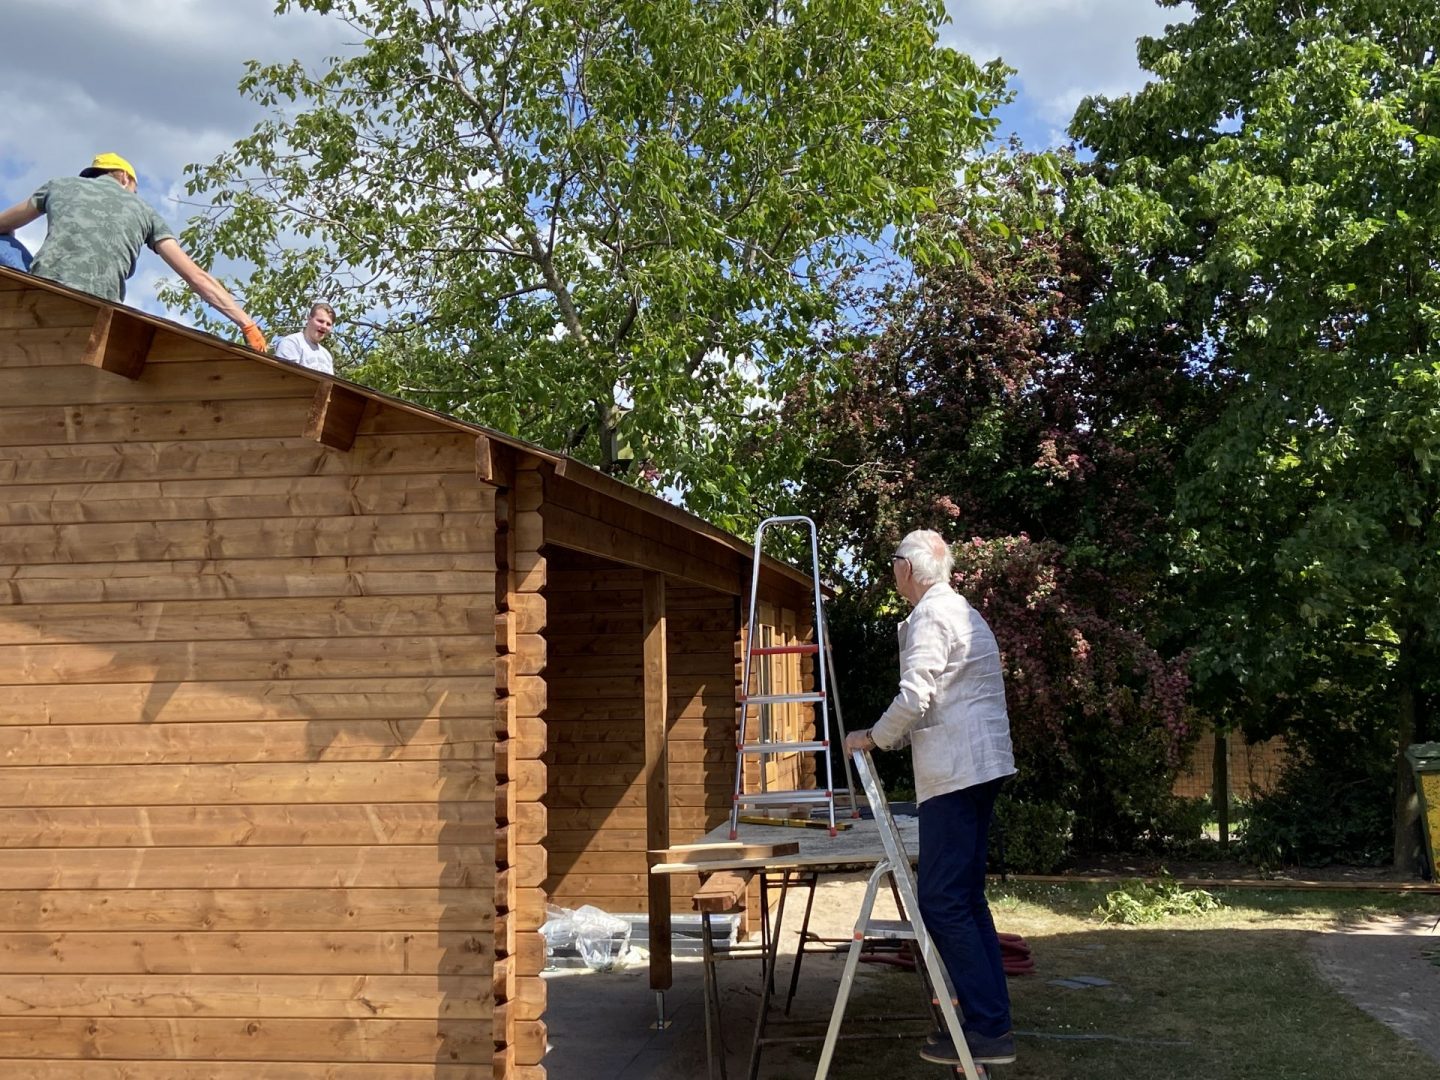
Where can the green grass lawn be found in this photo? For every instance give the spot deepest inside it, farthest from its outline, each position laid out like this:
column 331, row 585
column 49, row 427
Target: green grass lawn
column 1231, row 995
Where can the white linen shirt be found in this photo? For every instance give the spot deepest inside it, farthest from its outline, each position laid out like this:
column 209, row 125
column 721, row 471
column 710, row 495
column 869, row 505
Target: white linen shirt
column 297, row 350
column 951, row 704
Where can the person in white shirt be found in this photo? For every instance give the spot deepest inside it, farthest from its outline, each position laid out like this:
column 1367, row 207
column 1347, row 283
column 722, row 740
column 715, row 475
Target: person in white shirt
column 951, row 710
column 304, row 348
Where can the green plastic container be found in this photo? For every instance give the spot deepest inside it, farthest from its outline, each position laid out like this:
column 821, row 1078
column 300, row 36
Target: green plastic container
column 1425, row 760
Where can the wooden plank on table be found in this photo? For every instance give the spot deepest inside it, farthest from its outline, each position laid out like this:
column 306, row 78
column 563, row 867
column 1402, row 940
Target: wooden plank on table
column 183, row 785
column 395, row 997
column 725, row 851
column 240, row 1038
column 722, row 891
column 248, row 538
column 450, row 822
column 259, row 618
column 180, row 500
column 470, row 911
column 294, row 658
column 420, row 739
column 220, row 701
column 203, row 456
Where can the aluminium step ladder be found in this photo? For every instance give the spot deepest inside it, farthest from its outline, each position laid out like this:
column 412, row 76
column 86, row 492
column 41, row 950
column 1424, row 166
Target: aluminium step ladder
column 759, row 744
column 896, row 866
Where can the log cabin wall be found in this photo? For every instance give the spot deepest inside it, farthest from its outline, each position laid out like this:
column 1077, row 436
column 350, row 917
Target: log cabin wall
column 595, row 720
column 595, row 723
column 246, row 718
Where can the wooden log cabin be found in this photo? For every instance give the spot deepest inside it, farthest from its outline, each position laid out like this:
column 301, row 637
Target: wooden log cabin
column 310, row 699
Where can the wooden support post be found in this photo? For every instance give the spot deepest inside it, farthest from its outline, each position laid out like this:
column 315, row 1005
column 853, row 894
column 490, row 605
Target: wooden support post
column 520, row 858
column 335, row 416
column 119, row 343
column 657, row 771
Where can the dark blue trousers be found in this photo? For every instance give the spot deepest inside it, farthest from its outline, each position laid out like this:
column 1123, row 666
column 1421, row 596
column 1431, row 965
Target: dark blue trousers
column 954, row 839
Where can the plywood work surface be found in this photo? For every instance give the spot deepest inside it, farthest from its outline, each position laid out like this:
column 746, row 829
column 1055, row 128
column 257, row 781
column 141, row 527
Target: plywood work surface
column 856, row 847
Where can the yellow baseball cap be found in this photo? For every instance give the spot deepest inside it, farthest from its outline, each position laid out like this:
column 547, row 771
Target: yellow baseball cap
column 105, row 163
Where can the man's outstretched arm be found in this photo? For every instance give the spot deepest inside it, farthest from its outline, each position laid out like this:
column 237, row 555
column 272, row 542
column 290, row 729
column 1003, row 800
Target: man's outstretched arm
column 210, row 290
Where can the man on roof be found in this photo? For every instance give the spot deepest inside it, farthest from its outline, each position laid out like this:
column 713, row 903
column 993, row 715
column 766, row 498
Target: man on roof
column 303, row 347
column 95, row 227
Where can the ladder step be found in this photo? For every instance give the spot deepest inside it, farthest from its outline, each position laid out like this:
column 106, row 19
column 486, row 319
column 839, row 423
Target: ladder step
column 780, row 699
column 782, row 798
column 888, row 930
column 781, row 747
column 786, row 650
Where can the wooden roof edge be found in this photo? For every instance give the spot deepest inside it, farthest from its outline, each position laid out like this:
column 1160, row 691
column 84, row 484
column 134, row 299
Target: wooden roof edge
column 569, row 467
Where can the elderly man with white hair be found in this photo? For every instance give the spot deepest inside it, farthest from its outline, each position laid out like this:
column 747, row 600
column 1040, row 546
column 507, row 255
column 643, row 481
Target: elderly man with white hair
column 951, row 710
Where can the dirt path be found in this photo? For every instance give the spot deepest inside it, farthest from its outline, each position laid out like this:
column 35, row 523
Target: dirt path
column 1379, row 965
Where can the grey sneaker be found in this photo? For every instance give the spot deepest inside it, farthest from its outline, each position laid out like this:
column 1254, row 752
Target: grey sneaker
column 983, row 1050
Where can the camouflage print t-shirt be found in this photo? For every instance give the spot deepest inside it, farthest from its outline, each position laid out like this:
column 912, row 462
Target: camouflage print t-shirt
column 95, row 229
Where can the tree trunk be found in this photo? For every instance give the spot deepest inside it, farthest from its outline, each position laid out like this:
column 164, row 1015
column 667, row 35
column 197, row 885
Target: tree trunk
column 1407, row 802
column 1221, row 789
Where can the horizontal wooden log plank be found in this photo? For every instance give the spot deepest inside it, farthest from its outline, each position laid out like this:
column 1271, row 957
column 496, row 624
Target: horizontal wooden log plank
column 27, row 308
column 394, row 997
column 73, row 1069
column 203, row 456
column 612, row 668
column 594, row 819
column 628, row 645
column 219, row 380
column 180, row 500
column 632, row 794
column 469, row 911
column 419, row 739
column 590, row 717
column 292, row 658
column 720, row 752
column 230, row 701
column 186, row 785
column 43, row 346
column 265, row 1039
column 220, row 579
column 39, row 427
column 254, row 826
column 248, row 538
column 452, row 953
column 232, row 620
column 567, row 776
column 310, row 867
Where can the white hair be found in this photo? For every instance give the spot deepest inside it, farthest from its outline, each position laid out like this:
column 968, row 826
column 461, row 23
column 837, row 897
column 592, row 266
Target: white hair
column 929, row 556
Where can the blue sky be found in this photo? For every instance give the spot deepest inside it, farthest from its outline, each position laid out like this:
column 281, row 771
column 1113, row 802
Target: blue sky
column 154, row 80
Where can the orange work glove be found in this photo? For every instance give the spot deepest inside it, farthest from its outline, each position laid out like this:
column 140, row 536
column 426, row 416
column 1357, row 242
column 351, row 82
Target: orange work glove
column 254, row 338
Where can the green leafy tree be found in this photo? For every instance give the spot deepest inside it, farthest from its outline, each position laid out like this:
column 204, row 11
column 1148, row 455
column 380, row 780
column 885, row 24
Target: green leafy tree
column 1271, row 195
column 607, row 226
column 976, row 409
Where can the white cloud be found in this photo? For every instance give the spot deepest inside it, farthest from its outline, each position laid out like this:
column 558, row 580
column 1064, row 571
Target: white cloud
column 1062, row 50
